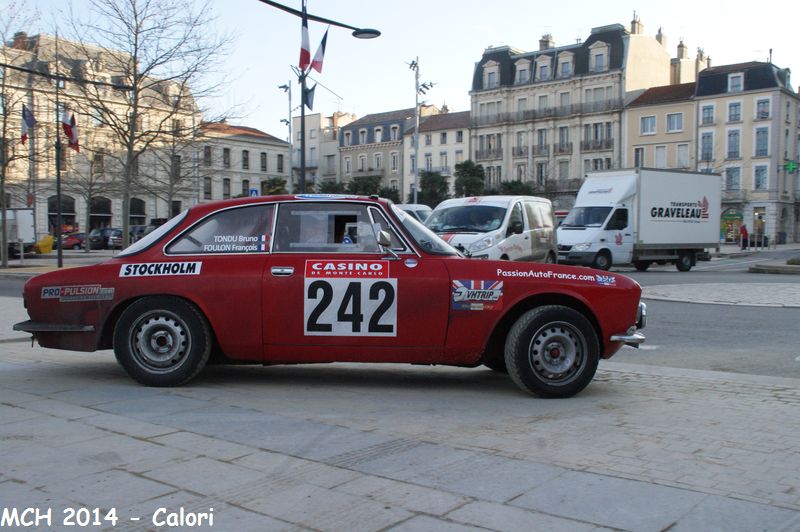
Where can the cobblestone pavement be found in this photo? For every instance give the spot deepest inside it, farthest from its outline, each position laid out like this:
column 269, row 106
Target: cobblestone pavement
column 375, row 447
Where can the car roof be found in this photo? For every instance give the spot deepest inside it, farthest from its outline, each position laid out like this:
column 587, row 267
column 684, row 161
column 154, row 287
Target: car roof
column 495, row 201
column 205, row 208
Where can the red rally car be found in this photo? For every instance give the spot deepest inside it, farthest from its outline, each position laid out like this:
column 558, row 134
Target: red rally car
column 324, row 278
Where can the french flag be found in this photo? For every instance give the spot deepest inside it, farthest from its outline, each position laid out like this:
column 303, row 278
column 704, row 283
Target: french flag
column 263, row 243
column 305, row 47
column 316, row 64
column 71, row 131
column 28, row 121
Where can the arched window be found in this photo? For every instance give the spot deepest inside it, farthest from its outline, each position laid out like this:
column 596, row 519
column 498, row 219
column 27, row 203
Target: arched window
column 67, row 213
column 137, row 214
column 99, row 212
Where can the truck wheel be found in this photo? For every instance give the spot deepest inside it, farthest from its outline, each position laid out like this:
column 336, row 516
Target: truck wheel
column 550, row 259
column 162, row 341
column 642, row 265
column 684, row 262
column 602, row 261
column 552, row 351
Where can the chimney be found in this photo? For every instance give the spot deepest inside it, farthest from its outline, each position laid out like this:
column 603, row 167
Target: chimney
column 20, row 41
column 683, row 50
column 546, row 42
column 636, row 25
column 661, row 38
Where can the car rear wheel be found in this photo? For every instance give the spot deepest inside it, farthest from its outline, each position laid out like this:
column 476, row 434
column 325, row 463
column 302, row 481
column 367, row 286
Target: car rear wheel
column 552, row 351
column 162, row 341
column 76, row 247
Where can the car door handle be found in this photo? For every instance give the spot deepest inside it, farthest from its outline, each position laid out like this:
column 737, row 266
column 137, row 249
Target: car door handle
column 282, row 271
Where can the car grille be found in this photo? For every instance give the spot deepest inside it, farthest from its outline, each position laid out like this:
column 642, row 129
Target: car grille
column 564, row 247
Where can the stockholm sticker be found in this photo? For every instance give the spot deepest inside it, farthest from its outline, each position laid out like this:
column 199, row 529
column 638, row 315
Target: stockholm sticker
column 349, row 298
column 153, row 269
column 68, row 294
column 477, row 295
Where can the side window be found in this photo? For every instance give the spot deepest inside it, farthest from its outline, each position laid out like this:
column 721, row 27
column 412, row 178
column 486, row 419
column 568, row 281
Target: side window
column 324, row 228
column 515, row 223
column 534, row 215
column 380, row 219
column 237, row 230
column 618, row 220
column 548, row 220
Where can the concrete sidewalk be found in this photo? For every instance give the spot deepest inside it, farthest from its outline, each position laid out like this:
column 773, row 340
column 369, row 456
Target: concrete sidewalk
column 396, row 447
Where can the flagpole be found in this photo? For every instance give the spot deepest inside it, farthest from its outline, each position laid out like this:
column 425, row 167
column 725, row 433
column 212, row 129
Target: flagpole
column 59, row 219
column 302, row 132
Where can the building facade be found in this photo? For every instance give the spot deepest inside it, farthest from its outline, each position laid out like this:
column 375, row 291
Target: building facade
column 322, row 146
column 747, row 129
column 373, row 146
column 444, row 142
column 90, row 85
column 548, row 117
column 239, row 161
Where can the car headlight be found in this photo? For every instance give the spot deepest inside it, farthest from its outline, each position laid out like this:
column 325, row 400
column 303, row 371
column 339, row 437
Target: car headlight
column 480, row 245
column 585, row 246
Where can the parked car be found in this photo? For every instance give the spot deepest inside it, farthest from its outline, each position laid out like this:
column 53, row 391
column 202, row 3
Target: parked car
column 73, row 240
column 498, row 227
column 418, row 210
column 99, row 238
column 315, row 278
column 136, row 232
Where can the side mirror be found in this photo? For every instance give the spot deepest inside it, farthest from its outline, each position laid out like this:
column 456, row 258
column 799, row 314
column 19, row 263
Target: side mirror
column 515, row 228
column 385, row 239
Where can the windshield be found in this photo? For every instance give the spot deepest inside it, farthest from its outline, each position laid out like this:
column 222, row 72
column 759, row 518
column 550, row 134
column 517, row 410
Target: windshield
column 586, row 217
column 427, row 239
column 149, row 239
column 466, row 219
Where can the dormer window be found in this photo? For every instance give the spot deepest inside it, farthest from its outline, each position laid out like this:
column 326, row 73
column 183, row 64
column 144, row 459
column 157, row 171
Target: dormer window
column 598, row 54
column 395, row 132
column 378, row 134
column 564, row 69
column 491, row 75
column 735, row 82
column 362, row 136
column 522, row 75
column 544, row 72
column 491, row 80
column 347, row 138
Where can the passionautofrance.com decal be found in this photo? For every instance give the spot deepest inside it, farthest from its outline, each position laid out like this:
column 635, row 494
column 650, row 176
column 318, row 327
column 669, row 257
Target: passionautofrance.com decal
column 67, row 294
column 602, row 280
column 152, row 269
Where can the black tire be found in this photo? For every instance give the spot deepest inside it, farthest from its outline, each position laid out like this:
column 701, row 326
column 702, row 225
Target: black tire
column 162, row 341
column 76, row 247
column 550, row 259
column 602, row 261
column 552, row 351
column 642, row 265
column 684, row 262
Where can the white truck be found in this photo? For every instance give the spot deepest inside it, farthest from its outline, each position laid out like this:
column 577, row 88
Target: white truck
column 641, row 216
column 20, row 228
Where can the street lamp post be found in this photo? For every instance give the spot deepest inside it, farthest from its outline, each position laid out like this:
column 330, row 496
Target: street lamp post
column 419, row 89
column 359, row 33
column 288, row 89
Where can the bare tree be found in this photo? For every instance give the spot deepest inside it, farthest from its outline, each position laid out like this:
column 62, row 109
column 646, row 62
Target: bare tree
column 158, row 54
column 13, row 93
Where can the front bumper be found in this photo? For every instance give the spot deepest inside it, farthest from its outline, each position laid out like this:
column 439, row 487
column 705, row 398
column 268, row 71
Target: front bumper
column 576, row 258
column 633, row 337
column 37, row 326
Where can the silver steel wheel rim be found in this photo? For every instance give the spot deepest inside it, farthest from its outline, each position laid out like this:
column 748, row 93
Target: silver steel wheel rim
column 557, row 352
column 160, row 341
column 602, row 261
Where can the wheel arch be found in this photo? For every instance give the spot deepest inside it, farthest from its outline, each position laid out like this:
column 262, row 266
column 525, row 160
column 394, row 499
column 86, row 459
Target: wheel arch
column 106, row 340
column 496, row 343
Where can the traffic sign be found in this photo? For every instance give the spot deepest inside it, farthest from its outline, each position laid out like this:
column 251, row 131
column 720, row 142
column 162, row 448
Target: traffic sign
column 253, row 192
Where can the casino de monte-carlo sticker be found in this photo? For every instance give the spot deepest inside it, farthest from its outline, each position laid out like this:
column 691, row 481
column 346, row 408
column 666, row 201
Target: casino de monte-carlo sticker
column 153, row 269
column 477, row 295
column 67, row 294
column 349, row 298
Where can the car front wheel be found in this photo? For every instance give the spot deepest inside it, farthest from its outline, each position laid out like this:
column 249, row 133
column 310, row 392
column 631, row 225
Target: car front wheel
column 552, row 351
column 162, row 341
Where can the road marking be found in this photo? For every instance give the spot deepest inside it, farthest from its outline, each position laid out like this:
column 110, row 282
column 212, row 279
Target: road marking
column 729, row 265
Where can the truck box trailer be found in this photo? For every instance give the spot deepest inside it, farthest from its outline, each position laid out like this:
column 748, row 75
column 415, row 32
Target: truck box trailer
column 640, row 216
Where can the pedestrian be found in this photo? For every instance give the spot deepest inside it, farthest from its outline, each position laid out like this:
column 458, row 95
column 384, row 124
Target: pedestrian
column 744, row 236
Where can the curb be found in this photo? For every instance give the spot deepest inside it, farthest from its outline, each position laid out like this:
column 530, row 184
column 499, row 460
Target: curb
column 775, row 268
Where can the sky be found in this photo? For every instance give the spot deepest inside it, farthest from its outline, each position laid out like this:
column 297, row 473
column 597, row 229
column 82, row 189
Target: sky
column 448, row 37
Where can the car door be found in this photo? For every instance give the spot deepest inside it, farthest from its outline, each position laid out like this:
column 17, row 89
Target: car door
column 330, row 292
column 517, row 244
column 619, row 236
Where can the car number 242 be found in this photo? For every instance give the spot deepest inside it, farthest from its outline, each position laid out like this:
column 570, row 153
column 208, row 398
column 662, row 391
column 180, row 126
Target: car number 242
column 349, row 307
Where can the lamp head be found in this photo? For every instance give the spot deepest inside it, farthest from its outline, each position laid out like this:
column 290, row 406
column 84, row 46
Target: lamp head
column 366, row 33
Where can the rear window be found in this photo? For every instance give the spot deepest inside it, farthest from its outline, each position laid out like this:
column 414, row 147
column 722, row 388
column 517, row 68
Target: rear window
column 235, row 230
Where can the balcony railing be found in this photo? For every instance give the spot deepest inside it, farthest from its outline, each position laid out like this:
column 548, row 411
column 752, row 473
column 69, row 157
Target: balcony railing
column 597, row 145
column 488, row 154
column 369, row 172
column 548, row 112
column 563, row 148
column 541, row 150
column 734, row 195
column 519, row 151
column 443, row 170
